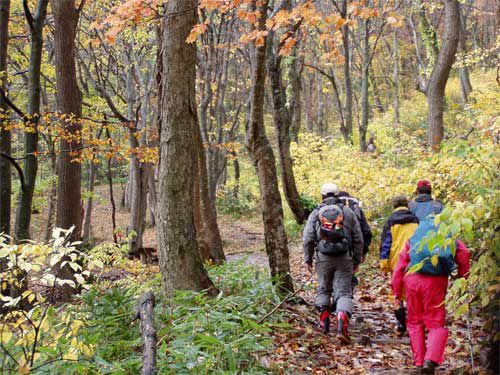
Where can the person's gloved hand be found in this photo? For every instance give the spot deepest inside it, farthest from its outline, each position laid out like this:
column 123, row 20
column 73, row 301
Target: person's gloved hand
column 396, row 303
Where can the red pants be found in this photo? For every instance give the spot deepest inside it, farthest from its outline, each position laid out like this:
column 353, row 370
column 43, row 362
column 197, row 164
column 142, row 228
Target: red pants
column 425, row 295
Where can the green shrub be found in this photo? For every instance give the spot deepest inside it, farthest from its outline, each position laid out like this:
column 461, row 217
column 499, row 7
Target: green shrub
column 244, row 204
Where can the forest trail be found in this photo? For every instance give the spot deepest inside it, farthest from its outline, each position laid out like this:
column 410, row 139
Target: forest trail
column 376, row 347
column 301, row 348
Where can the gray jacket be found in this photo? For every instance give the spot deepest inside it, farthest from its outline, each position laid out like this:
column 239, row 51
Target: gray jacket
column 352, row 231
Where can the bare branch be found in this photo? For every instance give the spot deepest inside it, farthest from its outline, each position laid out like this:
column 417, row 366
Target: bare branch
column 17, row 167
column 28, row 15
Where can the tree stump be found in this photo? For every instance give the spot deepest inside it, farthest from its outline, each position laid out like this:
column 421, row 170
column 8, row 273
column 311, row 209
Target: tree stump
column 145, row 315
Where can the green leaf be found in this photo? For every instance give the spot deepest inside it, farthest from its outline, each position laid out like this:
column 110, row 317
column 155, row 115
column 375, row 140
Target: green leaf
column 435, row 260
column 231, row 361
column 416, row 267
column 463, row 309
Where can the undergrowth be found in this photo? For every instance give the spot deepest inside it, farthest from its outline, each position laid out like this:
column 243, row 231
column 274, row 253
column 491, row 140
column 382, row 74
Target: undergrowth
column 197, row 334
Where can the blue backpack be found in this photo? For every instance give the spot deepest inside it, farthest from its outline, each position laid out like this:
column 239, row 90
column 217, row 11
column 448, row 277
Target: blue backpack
column 422, row 254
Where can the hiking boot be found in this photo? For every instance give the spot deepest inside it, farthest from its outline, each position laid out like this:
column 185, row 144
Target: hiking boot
column 324, row 321
column 401, row 318
column 342, row 325
column 429, row 367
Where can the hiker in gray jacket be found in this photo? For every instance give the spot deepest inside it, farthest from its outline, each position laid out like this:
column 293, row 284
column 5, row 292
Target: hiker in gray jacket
column 333, row 237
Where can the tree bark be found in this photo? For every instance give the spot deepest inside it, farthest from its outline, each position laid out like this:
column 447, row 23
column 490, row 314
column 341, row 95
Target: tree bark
column 395, row 73
column 295, row 98
column 308, row 101
column 347, row 72
column 5, row 135
column 181, row 266
column 463, row 72
column 23, row 214
column 88, row 206
column 282, row 125
column 265, row 164
column 365, row 69
column 52, row 196
column 138, row 204
column 210, row 234
column 69, row 103
column 441, row 71
column 145, row 313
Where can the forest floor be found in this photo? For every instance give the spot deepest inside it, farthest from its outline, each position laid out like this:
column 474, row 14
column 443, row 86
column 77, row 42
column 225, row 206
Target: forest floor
column 301, row 348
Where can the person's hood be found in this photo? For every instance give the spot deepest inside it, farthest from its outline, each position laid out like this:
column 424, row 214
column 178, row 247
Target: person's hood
column 403, row 215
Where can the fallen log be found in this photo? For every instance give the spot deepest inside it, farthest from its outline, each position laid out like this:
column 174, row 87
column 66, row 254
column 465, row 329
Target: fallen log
column 145, row 315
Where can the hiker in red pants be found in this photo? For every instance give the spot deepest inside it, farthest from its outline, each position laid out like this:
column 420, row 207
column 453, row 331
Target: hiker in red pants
column 425, row 291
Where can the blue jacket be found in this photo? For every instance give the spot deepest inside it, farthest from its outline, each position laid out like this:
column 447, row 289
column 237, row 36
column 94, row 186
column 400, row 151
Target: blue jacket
column 424, row 206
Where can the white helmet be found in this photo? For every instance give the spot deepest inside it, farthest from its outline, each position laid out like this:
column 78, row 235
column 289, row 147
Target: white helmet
column 329, row 188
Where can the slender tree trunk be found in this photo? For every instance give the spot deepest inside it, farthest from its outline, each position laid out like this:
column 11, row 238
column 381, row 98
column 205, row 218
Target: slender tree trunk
column 181, row 266
column 23, row 214
column 395, row 73
column 282, row 124
column 320, row 109
column 441, row 71
column 138, row 204
column 295, row 99
column 69, row 103
column 265, row 164
column 52, row 196
column 463, row 72
column 308, row 100
column 5, row 135
column 88, row 206
column 152, row 197
column 347, row 71
column 112, row 198
column 210, row 241
column 365, row 105
column 236, row 166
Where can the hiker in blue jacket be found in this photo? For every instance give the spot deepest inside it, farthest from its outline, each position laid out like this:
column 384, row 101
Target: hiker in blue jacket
column 424, row 205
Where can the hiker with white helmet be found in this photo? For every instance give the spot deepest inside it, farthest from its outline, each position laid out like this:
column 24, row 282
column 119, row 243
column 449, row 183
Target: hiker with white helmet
column 333, row 237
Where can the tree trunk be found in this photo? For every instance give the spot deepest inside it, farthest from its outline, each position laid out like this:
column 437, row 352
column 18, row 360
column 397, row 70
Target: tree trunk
column 152, row 197
column 463, row 72
column 23, row 214
column 308, row 100
column 181, row 266
column 295, row 98
column 265, row 164
column 365, row 105
column 236, row 166
column 282, row 124
column 441, row 71
column 138, row 204
column 52, row 196
column 320, row 109
column 88, row 206
column 69, row 103
column 145, row 313
column 208, row 213
column 395, row 73
column 5, row 135
column 347, row 72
